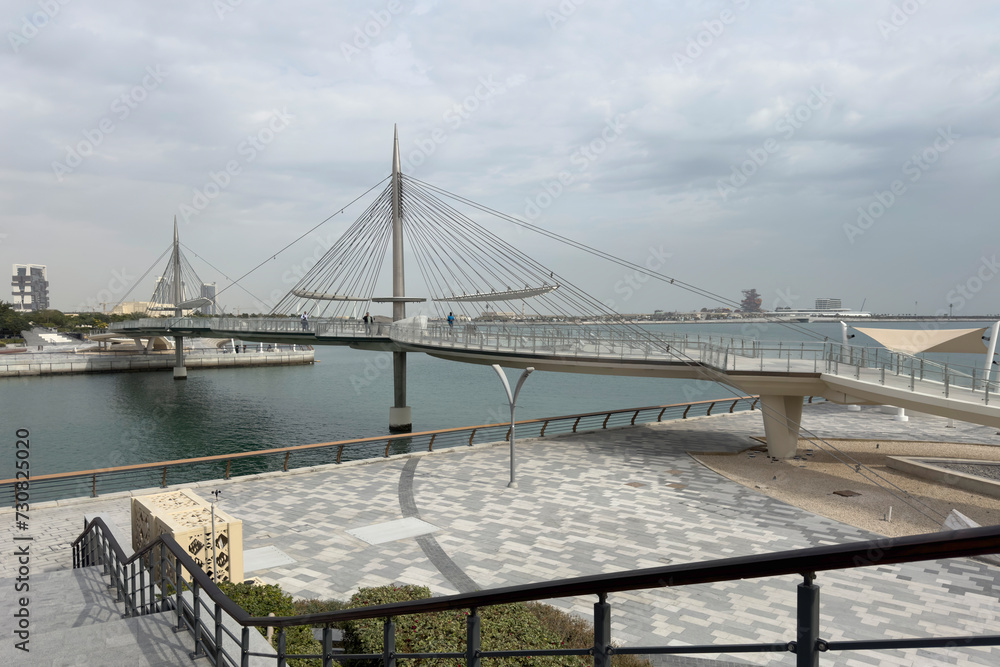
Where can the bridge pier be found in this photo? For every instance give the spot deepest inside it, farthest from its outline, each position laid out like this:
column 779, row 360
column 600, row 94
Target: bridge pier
column 782, row 415
column 400, row 419
column 180, row 371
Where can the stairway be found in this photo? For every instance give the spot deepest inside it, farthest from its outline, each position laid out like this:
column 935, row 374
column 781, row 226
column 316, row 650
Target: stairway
column 75, row 622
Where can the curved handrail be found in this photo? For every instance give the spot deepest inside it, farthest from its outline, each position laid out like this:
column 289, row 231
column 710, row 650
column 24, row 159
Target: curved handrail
column 389, row 439
column 882, row 551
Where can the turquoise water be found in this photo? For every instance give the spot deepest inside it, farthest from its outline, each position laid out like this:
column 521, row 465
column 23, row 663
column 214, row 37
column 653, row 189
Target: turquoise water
column 93, row 421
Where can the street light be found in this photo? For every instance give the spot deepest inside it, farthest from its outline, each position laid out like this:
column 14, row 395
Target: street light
column 512, row 399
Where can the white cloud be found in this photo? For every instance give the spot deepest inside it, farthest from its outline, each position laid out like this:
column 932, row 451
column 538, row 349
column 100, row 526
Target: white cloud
column 685, row 131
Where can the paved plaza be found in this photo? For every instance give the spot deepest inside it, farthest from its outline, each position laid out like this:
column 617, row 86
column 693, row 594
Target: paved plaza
column 590, row 503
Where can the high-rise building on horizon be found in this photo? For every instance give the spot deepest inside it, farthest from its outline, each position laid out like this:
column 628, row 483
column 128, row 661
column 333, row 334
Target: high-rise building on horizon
column 30, row 287
column 828, row 304
column 208, row 292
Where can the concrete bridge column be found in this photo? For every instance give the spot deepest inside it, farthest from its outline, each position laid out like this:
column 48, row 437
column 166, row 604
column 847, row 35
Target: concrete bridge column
column 180, row 371
column 782, row 415
column 400, row 417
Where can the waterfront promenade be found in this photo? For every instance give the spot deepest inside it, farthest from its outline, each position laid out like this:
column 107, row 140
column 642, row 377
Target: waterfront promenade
column 589, row 503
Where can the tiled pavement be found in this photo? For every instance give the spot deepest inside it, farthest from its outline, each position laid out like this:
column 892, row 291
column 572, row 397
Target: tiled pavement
column 591, row 503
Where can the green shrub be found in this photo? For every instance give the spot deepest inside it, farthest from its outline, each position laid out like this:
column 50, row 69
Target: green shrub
column 263, row 600
column 314, row 606
column 504, row 627
column 575, row 632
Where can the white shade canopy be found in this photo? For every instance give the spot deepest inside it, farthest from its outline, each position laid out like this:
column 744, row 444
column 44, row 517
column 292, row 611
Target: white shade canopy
column 910, row 341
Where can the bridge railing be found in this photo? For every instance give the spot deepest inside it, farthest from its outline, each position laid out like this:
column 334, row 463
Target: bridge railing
column 160, row 474
column 253, row 325
column 603, row 342
column 163, row 578
column 912, row 372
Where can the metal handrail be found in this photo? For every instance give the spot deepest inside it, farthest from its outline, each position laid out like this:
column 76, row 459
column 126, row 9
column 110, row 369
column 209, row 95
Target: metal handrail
column 45, row 486
column 97, row 546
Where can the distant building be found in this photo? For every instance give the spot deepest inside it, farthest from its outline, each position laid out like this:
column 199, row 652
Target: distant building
column 30, row 287
column 129, row 307
column 208, row 292
column 828, row 304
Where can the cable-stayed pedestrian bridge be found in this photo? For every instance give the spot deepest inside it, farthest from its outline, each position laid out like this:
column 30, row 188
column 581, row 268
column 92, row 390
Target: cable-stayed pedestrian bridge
column 780, row 372
column 485, row 301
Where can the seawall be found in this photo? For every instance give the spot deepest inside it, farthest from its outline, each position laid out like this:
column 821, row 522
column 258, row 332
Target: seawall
column 23, row 365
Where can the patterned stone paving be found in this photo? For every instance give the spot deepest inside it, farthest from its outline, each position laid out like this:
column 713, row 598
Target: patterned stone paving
column 598, row 502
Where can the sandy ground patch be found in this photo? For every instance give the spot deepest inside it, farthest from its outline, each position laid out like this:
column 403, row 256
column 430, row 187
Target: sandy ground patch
column 809, row 482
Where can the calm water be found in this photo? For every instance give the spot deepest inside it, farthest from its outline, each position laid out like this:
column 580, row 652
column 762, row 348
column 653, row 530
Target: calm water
column 92, row 421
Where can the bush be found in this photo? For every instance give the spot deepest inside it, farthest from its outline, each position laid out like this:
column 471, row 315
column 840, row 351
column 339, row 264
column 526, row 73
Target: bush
column 575, row 632
column 263, row 600
column 504, row 627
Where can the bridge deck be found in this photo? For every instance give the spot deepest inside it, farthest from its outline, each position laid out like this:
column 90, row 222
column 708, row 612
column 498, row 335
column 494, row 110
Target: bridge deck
column 840, row 373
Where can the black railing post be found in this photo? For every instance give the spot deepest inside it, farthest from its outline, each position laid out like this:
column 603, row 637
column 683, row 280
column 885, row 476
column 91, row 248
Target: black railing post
column 178, row 587
column 602, row 631
column 473, row 625
column 105, row 550
column 807, row 634
column 163, row 576
column 130, row 590
column 142, row 588
column 119, row 580
column 218, row 634
column 327, row 646
column 389, row 643
column 199, row 645
column 245, row 647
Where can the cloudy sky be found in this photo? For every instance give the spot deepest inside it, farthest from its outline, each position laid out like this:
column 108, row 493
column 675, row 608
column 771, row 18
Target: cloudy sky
column 842, row 148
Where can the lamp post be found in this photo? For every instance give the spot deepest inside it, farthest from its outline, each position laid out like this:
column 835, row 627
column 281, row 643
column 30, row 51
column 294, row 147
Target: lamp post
column 512, row 399
column 215, row 556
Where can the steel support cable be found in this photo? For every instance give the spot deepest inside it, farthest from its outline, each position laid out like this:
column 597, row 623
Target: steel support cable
column 353, row 264
column 441, row 242
column 492, row 250
column 315, row 276
column 291, row 300
column 503, row 248
column 222, row 273
column 611, row 258
column 443, row 247
column 430, row 279
column 424, row 257
column 143, row 276
column 358, row 273
column 310, row 231
column 341, row 246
